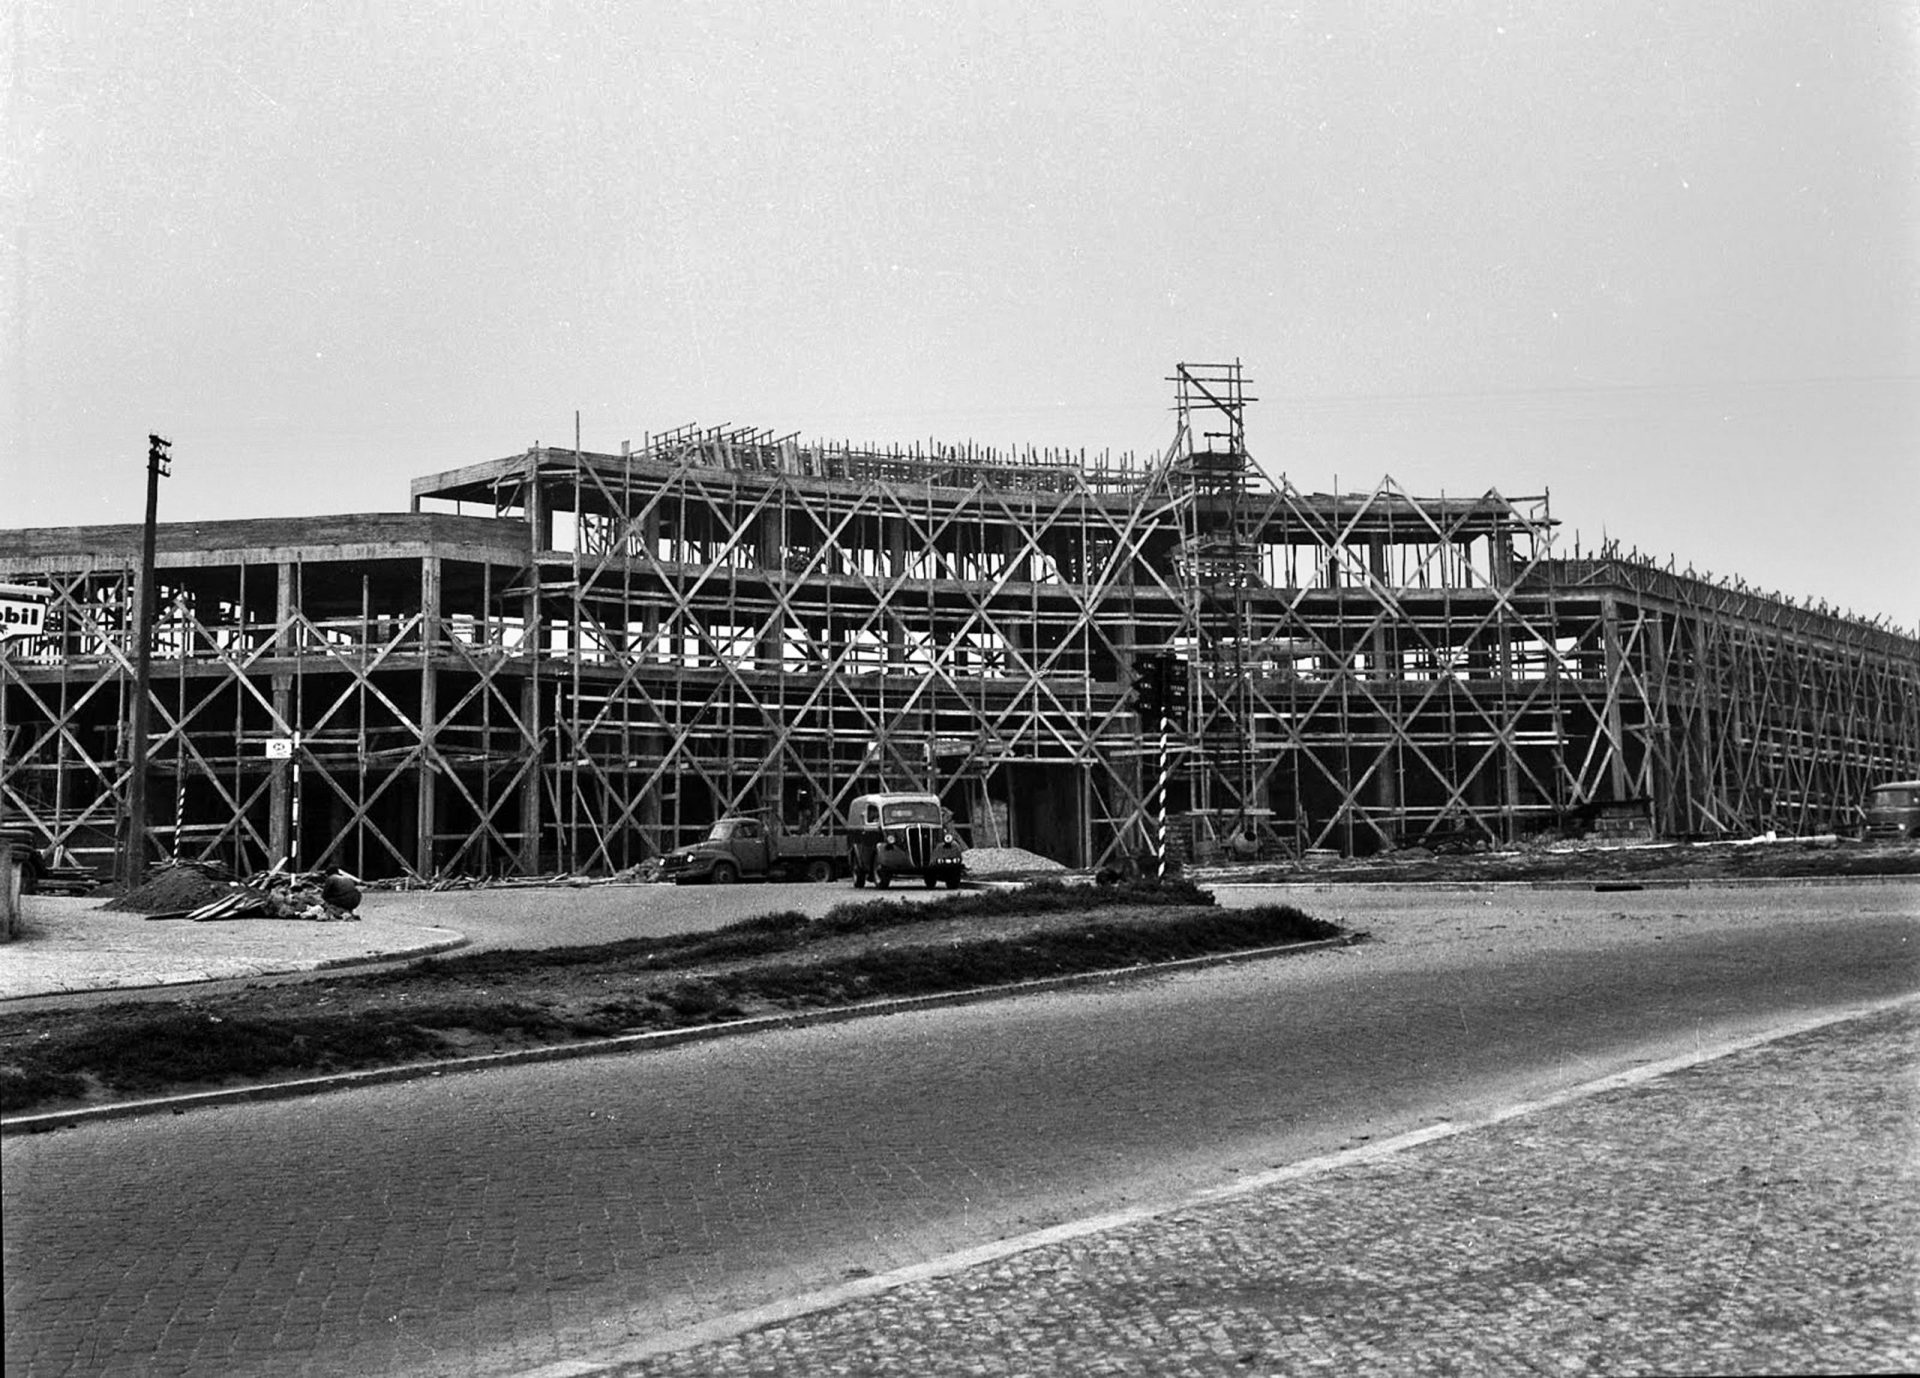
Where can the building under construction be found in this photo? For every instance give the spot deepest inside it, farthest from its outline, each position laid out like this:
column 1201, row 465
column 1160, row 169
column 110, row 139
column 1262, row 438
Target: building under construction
column 568, row 661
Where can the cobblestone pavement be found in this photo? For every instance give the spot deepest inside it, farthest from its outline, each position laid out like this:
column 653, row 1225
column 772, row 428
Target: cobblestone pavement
column 499, row 1221
column 1755, row 1214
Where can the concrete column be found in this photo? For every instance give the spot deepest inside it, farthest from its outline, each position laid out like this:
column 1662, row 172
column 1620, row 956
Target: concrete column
column 530, row 783
column 1616, row 679
column 896, row 539
column 1666, row 759
column 427, row 817
column 770, row 551
column 1015, row 549
column 653, row 744
column 539, row 514
column 280, row 786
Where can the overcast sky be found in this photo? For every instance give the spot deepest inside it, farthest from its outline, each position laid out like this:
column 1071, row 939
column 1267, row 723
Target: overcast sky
column 1658, row 260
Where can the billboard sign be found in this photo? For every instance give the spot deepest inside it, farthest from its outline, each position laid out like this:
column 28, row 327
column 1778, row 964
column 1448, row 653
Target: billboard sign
column 23, row 610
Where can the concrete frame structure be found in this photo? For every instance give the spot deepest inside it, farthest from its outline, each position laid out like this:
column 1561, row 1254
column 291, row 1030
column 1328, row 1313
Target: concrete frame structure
column 588, row 657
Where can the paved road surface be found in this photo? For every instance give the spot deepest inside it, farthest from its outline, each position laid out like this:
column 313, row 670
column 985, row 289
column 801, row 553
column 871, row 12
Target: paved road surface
column 489, row 1222
column 1753, row 1210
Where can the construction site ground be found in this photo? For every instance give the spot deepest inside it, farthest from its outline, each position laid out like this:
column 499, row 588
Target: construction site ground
column 1753, row 1221
column 76, row 944
column 70, row 945
column 511, row 998
column 1581, row 863
column 90, row 953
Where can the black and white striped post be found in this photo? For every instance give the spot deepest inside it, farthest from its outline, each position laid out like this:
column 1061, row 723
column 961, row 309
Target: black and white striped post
column 293, row 845
column 179, row 793
column 1157, row 698
column 1160, row 791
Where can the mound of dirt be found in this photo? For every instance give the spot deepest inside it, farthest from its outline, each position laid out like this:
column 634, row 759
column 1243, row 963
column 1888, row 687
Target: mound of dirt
column 169, row 891
column 1008, row 861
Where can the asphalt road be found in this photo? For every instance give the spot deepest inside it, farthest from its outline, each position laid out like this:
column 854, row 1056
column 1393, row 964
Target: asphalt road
column 489, row 1222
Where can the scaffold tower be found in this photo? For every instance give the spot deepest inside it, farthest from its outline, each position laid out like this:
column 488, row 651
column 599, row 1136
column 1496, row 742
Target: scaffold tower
column 1217, row 563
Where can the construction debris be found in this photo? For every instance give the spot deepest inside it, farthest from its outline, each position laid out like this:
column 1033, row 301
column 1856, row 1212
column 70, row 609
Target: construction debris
column 171, row 890
column 188, row 892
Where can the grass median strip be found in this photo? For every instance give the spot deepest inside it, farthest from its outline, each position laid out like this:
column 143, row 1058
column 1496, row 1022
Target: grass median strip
column 497, row 1000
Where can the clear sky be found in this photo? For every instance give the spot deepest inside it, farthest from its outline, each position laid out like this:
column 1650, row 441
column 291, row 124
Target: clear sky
column 1661, row 261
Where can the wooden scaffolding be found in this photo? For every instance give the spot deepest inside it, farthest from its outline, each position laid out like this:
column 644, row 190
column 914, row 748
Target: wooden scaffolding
column 568, row 661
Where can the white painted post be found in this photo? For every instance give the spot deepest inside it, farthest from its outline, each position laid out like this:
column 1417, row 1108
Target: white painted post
column 293, row 851
column 1160, row 803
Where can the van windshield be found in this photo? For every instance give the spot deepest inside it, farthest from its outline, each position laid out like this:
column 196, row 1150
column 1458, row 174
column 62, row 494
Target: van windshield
column 913, row 811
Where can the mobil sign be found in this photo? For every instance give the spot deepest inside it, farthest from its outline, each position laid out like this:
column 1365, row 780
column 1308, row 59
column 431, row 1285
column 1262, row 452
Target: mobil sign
column 23, row 610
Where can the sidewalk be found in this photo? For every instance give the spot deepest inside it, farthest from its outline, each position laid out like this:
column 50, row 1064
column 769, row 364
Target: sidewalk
column 1755, row 1213
column 74, row 945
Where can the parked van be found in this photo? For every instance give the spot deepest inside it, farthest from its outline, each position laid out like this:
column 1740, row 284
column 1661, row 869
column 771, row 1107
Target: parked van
column 1893, row 812
column 892, row 835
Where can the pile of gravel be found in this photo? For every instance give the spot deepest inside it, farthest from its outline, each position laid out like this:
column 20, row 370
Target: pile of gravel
column 171, row 891
column 1008, row 861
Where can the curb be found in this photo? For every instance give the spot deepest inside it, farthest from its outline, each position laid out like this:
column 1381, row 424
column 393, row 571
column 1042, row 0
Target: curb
column 406, row 955
column 644, row 1042
column 1722, row 883
column 1602, row 884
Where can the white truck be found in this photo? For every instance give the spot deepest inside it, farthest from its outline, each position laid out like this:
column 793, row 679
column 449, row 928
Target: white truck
column 892, row 835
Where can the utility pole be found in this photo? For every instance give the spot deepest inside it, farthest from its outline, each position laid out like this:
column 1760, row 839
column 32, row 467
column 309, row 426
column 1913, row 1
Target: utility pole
column 133, row 856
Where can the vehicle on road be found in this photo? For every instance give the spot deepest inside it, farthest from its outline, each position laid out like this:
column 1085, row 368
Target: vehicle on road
column 892, row 835
column 1893, row 812
column 751, row 849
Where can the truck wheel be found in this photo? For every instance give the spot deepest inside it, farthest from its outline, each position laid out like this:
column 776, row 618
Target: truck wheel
column 725, row 873
column 820, row 871
column 859, row 877
column 882, row 879
column 953, row 882
column 933, row 881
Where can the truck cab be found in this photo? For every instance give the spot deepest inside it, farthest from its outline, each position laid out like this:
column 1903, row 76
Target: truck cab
column 1893, row 812
column 903, row 834
column 746, row 841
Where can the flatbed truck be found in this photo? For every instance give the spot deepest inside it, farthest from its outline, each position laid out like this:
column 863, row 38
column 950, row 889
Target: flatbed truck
column 739, row 849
